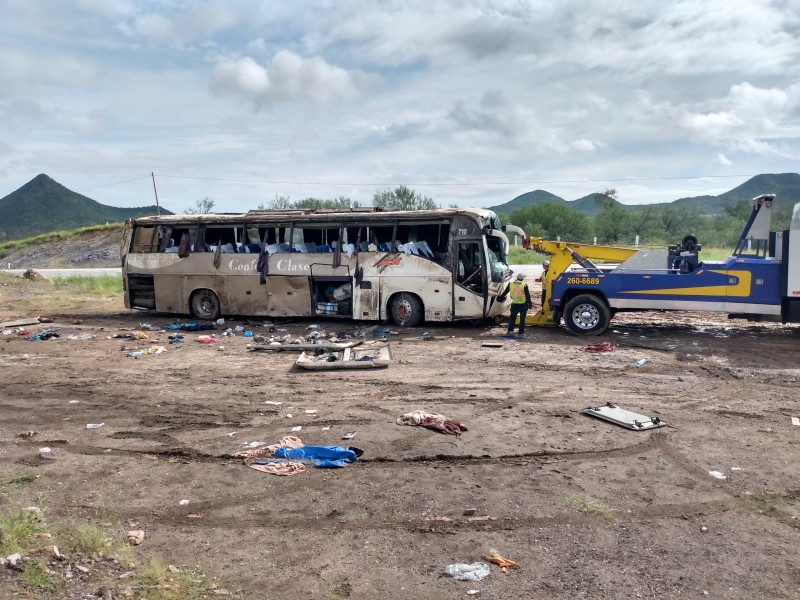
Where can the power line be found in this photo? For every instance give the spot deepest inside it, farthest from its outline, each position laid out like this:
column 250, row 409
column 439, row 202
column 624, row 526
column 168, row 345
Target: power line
column 113, row 184
column 463, row 184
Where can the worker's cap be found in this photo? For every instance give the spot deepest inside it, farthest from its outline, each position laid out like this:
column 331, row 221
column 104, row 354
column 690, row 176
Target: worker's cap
column 546, row 263
column 520, row 275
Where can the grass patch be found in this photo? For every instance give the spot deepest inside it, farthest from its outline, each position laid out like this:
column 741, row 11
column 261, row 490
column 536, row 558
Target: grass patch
column 589, row 506
column 20, row 530
column 11, row 481
column 102, row 285
column 36, row 574
column 770, row 505
column 88, row 539
column 160, row 582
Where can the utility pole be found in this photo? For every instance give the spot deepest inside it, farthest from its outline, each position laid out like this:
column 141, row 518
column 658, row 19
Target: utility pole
column 155, row 191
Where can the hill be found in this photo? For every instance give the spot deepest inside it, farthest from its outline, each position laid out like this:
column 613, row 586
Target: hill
column 786, row 186
column 44, row 205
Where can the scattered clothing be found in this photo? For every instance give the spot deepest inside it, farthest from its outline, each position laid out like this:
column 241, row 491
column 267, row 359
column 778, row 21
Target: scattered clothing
column 278, row 467
column 323, row 457
column 287, row 441
column 432, row 421
column 190, row 326
column 600, row 347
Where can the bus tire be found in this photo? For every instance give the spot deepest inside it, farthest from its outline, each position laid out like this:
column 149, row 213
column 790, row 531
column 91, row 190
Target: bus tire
column 587, row 314
column 204, row 305
column 406, row 310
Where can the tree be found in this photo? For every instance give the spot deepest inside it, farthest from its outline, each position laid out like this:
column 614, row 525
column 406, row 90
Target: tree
column 201, row 207
column 340, row 203
column 402, row 198
column 277, row 203
column 612, row 222
column 552, row 221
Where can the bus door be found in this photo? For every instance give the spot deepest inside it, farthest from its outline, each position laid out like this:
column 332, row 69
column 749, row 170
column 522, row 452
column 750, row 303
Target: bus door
column 469, row 270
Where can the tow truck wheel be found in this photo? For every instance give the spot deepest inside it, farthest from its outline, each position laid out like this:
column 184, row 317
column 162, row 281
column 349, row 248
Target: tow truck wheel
column 205, row 305
column 406, row 310
column 587, row 315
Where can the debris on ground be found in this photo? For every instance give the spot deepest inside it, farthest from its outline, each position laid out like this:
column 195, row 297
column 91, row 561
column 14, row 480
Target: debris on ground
column 468, row 572
column 433, row 421
column 624, row 418
column 504, row 563
column 600, row 347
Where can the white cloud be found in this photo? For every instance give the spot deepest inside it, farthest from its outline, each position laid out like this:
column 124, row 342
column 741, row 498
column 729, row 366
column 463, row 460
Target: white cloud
column 724, row 160
column 288, row 77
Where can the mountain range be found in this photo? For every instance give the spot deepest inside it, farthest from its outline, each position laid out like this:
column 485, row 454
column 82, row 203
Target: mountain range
column 43, row 205
column 785, row 186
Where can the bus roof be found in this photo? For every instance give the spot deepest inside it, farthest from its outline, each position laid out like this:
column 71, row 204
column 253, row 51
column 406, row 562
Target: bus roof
column 314, row 215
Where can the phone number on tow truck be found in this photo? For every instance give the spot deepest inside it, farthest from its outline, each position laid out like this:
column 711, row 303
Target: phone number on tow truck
column 583, row 281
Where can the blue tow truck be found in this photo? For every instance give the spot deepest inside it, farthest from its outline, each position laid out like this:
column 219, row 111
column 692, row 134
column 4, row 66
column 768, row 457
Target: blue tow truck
column 759, row 281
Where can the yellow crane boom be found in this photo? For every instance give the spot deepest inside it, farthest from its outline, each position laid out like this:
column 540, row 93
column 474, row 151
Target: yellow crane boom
column 562, row 256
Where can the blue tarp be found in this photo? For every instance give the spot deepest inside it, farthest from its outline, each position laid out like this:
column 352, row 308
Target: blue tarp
column 324, row 457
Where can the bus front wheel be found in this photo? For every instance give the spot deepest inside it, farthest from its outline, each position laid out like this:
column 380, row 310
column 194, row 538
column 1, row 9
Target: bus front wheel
column 587, row 314
column 406, row 310
column 205, row 305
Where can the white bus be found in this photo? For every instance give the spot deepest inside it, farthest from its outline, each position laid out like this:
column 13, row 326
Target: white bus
column 362, row 264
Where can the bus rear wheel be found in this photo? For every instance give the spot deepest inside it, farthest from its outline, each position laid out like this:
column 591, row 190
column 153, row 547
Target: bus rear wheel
column 205, row 305
column 587, row 314
column 406, row 310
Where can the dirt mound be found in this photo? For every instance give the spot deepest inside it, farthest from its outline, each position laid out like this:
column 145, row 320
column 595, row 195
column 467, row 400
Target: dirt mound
column 88, row 249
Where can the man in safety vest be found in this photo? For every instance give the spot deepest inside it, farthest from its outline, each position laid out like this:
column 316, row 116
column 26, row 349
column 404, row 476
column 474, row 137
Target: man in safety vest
column 543, row 279
column 520, row 302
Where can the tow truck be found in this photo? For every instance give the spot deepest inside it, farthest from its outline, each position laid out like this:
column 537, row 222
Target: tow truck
column 759, row 281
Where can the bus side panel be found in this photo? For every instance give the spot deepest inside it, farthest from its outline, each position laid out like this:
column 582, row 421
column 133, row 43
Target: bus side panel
column 366, row 300
column 288, row 296
column 172, row 298
column 434, row 292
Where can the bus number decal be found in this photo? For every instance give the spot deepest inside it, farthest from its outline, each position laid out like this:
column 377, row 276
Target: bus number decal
column 462, row 232
column 583, row 280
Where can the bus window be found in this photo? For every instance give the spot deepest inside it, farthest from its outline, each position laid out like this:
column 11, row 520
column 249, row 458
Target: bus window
column 315, row 239
column 143, row 239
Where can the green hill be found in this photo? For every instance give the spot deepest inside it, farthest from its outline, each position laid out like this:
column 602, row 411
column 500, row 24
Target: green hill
column 44, row 205
column 786, row 187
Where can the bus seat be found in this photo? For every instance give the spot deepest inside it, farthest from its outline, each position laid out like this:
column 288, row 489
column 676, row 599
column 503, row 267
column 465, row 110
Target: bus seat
column 273, row 248
column 311, row 248
column 364, row 247
column 384, row 247
column 172, row 249
column 252, row 248
column 348, row 249
column 372, row 248
column 300, row 248
column 425, row 249
column 226, row 248
column 284, row 247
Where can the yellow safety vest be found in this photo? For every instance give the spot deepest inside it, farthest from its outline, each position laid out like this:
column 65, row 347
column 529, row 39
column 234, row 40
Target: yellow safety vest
column 544, row 278
column 517, row 292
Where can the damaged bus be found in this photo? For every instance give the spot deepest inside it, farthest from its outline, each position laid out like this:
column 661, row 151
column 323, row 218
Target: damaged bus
column 362, row 264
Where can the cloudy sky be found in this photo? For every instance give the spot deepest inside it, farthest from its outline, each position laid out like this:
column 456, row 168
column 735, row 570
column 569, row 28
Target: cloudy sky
column 469, row 102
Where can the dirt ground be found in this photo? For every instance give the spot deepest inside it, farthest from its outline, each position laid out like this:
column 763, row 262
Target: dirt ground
column 387, row 525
